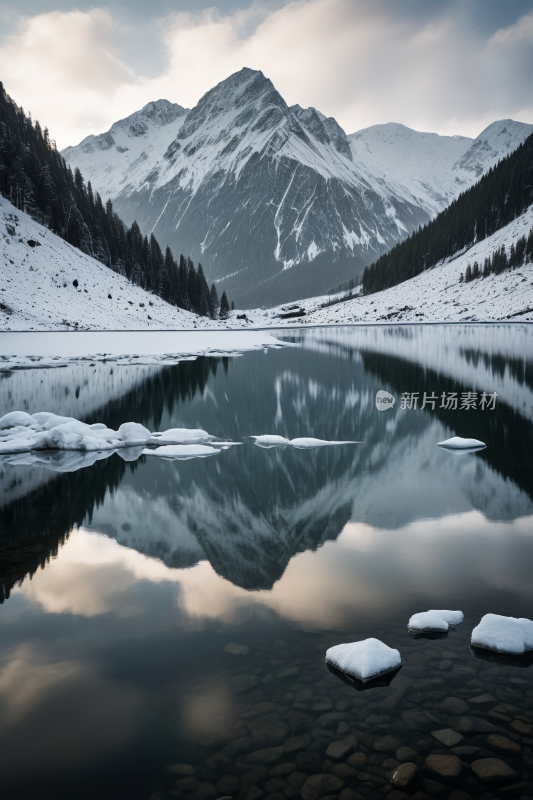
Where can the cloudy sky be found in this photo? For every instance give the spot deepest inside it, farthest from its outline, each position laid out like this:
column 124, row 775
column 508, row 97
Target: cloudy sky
column 450, row 66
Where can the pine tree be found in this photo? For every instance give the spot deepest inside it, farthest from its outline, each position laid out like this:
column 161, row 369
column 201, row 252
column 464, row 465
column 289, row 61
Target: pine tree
column 224, row 306
column 214, row 302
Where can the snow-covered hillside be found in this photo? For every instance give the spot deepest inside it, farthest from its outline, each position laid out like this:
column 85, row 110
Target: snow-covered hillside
column 272, row 198
column 130, row 149
column 436, row 168
column 37, row 292
column 434, row 296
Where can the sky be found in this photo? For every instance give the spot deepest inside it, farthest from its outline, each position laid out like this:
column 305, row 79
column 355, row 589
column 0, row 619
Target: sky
column 448, row 66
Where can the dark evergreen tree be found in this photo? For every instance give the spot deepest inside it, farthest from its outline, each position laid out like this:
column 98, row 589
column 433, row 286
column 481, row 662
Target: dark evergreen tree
column 215, row 304
column 224, row 306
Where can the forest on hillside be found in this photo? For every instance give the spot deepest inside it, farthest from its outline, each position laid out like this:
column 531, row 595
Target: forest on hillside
column 35, row 177
column 500, row 196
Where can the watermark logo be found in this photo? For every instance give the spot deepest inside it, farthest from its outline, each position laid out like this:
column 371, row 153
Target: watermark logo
column 384, row 400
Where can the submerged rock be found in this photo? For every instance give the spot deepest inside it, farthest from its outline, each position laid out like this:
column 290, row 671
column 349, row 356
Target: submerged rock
column 492, row 770
column 319, row 785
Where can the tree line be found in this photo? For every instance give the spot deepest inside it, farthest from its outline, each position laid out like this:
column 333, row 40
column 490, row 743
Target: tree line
column 520, row 253
column 500, row 196
column 35, row 177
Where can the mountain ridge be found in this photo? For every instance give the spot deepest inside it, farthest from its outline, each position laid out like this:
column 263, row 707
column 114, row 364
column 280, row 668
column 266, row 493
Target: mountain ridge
column 273, row 198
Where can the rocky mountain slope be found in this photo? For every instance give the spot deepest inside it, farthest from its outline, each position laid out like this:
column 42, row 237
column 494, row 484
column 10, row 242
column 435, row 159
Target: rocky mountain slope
column 277, row 201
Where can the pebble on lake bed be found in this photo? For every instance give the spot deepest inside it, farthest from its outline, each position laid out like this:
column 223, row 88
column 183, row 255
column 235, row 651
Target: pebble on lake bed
column 364, row 660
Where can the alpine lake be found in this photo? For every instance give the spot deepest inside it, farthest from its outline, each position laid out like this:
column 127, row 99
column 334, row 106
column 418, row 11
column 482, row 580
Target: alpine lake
column 164, row 623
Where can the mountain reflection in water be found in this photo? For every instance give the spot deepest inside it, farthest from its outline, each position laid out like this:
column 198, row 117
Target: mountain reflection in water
column 124, row 579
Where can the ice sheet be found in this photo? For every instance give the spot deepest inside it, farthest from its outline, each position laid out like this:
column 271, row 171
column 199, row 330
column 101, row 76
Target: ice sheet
column 365, row 659
column 504, row 634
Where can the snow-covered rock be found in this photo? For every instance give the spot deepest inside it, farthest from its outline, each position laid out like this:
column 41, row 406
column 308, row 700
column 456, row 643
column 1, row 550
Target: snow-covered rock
column 180, row 436
column 437, row 621
column 364, row 660
column 458, row 443
column 506, row 635
column 47, row 431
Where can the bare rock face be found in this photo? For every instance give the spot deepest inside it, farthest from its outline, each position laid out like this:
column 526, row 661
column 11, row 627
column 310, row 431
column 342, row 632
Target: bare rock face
column 319, row 785
column 493, row 770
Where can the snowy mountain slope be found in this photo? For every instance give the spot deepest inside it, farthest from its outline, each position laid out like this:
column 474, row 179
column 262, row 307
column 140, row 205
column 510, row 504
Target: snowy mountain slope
column 436, row 168
column 417, row 159
column 37, row 290
column 130, row 149
column 433, row 296
column 267, row 197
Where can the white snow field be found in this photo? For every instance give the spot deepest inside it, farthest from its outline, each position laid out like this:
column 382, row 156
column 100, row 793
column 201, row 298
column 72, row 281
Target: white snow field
column 506, row 635
column 37, row 292
column 365, row 660
column 458, row 443
column 437, row 621
column 433, row 296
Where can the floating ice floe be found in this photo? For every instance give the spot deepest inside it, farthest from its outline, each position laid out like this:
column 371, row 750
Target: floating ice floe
column 26, row 433
column 183, row 451
column 459, row 446
column 180, row 436
column 434, row 621
column 506, row 635
column 302, row 443
column 365, row 660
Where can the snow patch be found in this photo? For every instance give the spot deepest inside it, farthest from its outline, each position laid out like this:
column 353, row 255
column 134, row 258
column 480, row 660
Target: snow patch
column 434, row 621
column 364, row 660
column 504, row 634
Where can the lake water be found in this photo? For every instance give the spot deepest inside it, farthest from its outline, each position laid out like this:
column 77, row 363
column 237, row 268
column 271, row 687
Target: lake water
column 124, row 580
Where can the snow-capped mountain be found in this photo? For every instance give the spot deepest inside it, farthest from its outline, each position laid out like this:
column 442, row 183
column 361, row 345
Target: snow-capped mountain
column 129, row 149
column 278, row 201
column 436, row 168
